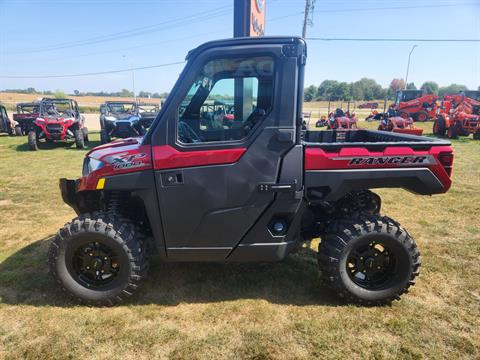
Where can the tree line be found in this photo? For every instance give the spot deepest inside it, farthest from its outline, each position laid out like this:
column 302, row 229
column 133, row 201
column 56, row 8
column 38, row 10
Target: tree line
column 58, row 93
column 368, row 89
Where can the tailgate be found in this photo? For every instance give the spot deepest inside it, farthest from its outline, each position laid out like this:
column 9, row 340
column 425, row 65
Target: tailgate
column 332, row 171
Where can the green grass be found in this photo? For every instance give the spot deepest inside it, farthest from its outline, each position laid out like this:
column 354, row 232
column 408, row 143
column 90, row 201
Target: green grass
column 256, row 311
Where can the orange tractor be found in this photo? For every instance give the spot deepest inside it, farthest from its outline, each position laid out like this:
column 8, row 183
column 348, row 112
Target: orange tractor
column 416, row 104
column 459, row 115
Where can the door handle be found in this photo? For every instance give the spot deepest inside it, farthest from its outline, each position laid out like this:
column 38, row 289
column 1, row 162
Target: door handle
column 172, row 178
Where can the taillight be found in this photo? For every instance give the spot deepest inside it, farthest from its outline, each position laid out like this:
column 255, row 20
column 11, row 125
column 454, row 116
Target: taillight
column 446, row 159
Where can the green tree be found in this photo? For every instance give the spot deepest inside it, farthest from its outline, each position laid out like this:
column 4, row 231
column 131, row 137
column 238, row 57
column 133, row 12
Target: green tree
column 60, row 94
column 327, row 89
column 370, row 88
column 411, row 86
column 430, row 87
column 310, row 93
column 451, row 89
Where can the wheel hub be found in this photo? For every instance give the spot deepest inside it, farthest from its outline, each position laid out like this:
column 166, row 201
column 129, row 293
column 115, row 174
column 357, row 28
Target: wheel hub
column 95, row 265
column 370, row 266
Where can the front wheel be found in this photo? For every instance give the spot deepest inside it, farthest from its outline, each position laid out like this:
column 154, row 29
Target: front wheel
column 372, row 261
column 79, row 139
column 85, row 133
column 439, row 126
column 98, row 259
column 104, row 138
column 18, row 130
column 32, row 140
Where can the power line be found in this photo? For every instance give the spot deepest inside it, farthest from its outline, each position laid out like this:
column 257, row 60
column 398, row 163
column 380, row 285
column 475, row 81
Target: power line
column 391, row 40
column 205, row 15
column 394, row 8
column 89, row 74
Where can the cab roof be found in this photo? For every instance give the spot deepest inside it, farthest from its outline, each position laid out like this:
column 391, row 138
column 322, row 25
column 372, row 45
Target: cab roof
column 244, row 41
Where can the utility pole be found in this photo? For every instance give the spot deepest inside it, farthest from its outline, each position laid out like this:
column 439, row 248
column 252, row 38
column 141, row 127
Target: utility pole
column 408, row 65
column 307, row 20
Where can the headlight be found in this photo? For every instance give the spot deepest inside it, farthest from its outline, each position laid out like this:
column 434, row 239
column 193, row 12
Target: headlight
column 91, row 164
column 110, row 118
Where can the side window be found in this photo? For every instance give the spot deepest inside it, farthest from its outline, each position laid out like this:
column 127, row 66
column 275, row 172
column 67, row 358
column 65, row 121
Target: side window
column 227, row 100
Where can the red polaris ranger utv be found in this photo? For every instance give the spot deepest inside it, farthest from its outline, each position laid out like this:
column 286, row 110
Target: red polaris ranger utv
column 58, row 119
column 252, row 191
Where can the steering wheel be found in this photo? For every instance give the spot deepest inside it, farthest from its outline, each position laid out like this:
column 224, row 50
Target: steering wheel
column 186, row 134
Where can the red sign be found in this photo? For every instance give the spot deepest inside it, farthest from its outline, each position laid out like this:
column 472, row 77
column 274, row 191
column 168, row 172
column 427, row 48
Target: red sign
column 257, row 17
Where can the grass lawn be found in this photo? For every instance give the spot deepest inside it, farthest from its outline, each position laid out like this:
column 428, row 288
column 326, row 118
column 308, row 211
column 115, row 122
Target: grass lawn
column 259, row 311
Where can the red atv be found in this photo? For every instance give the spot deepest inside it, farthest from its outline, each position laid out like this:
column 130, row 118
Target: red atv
column 58, row 120
column 399, row 124
column 416, row 104
column 24, row 117
column 342, row 120
column 459, row 115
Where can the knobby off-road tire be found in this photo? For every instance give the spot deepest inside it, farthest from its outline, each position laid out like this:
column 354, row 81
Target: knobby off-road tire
column 18, row 131
column 439, row 126
column 32, row 140
column 79, row 139
column 452, row 132
column 85, row 134
column 100, row 242
column 104, row 138
column 348, row 241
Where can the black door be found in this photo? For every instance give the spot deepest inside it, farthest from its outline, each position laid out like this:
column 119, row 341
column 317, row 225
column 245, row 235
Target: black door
column 229, row 124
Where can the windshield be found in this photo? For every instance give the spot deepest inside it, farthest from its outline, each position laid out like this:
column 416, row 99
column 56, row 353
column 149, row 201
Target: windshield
column 61, row 108
column 121, row 108
column 148, row 108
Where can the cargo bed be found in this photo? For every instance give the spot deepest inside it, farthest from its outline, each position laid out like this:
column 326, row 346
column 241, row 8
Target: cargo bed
column 374, row 139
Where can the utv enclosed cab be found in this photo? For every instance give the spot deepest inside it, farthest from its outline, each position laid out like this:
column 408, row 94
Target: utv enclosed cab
column 253, row 191
column 122, row 119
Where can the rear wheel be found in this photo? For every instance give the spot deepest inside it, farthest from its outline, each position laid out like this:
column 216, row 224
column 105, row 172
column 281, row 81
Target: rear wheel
column 85, row 134
column 439, row 126
column 18, row 130
column 476, row 135
column 404, row 114
column 104, row 138
column 452, row 132
column 460, row 130
column 98, row 259
column 32, row 140
column 79, row 139
column 371, row 261
column 421, row 116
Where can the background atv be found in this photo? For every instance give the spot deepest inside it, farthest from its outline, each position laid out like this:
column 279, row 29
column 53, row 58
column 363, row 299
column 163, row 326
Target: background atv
column 122, row 119
column 148, row 112
column 25, row 115
column 5, row 123
column 58, row 120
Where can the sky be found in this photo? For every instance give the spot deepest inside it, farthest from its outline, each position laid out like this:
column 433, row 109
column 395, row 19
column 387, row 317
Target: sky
column 56, row 37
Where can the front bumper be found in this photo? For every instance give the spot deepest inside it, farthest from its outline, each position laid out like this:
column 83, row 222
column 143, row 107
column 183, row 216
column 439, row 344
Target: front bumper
column 68, row 189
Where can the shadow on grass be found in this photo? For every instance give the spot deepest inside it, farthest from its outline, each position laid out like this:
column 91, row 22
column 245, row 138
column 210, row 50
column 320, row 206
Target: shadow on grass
column 24, row 279
column 56, row 144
